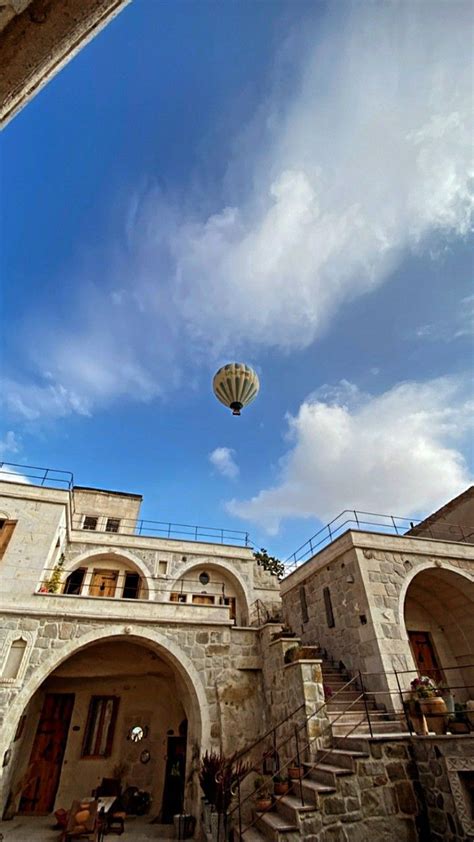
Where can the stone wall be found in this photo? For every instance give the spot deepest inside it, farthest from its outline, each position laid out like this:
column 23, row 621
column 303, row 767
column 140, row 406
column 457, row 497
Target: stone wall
column 379, row 803
column 219, row 670
column 444, row 767
column 293, row 692
column 368, row 576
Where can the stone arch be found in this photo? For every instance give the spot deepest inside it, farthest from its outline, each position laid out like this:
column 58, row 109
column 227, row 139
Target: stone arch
column 437, row 600
column 130, row 559
column 198, row 713
column 231, row 573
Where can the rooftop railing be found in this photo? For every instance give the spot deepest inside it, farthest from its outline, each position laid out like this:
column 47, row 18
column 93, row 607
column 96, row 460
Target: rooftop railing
column 165, row 529
column 373, row 522
column 33, row 475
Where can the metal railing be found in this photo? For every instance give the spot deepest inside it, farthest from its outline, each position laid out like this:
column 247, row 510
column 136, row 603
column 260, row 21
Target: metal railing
column 33, row 475
column 147, row 588
column 164, row 529
column 302, row 748
column 302, row 745
column 259, row 614
column 350, row 519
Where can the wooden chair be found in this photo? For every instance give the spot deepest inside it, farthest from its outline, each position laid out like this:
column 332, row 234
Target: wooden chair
column 82, row 822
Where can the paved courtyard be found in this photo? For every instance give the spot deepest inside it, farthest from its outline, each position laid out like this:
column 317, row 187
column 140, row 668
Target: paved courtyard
column 27, row 829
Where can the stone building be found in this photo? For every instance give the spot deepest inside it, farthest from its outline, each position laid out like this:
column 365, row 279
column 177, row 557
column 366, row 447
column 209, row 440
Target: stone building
column 128, row 648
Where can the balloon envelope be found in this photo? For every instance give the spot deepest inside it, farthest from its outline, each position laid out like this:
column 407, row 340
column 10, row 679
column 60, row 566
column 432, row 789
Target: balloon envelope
column 236, row 385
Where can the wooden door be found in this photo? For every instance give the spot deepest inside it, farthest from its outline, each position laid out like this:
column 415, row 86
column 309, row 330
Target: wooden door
column 44, row 770
column 104, row 583
column 203, row 599
column 424, row 654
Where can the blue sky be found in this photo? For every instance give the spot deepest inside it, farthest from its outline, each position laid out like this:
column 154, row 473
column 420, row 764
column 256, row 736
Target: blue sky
column 285, row 183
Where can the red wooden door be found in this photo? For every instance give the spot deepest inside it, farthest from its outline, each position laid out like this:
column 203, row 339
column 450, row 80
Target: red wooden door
column 424, row 655
column 44, row 770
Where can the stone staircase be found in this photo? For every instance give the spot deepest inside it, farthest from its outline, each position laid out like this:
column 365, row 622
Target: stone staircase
column 347, row 712
column 326, row 788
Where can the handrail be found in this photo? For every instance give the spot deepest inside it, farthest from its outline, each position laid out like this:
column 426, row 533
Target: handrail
column 385, row 524
column 308, row 744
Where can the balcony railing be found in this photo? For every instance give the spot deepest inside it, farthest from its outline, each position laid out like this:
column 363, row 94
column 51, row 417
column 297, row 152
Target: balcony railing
column 373, row 522
column 165, row 529
column 33, row 475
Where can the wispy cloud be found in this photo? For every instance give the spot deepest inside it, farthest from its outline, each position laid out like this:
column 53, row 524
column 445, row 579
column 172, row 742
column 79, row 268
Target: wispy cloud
column 398, row 452
column 369, row 156
column 223, row 459
column 10, row 447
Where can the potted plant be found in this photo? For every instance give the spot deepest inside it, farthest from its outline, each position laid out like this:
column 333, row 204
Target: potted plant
column 431, row 703
column 280, row 785
column 295, row 772
column 263, row 797
column 208, row 771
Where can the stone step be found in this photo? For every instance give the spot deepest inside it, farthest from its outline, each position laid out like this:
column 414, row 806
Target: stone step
column 291, row 807
column 277, row 828
column 340, row 757
column 251, row 835
column 326, row 773
column 344, row 728
column 312, row 790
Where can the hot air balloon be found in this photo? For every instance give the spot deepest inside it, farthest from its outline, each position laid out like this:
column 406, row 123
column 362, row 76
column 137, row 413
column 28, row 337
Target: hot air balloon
column 236, row 385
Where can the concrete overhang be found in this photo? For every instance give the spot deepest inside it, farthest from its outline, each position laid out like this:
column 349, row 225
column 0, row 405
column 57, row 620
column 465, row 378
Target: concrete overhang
column 38, row 37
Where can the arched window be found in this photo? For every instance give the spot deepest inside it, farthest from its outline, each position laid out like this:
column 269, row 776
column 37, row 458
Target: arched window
column 14, row 659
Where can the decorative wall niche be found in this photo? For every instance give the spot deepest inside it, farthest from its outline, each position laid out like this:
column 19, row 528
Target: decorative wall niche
column 15, row 656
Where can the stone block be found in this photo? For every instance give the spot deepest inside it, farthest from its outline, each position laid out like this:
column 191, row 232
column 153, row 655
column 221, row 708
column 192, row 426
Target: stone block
column 396, row 771
column 406, row 799
column 333, row 804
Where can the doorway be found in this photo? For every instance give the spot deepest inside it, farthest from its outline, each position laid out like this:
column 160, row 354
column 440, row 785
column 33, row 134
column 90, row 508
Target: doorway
column 103, row 583
column 424, row 655
column 44, row 769
column 173, row 793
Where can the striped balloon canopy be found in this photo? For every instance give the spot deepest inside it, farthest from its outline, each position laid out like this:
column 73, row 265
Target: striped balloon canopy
column 236, row 385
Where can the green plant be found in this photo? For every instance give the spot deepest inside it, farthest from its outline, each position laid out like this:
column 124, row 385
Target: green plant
column 53, row 584
column 269, row 563
column 263, row 786
column 280, row 779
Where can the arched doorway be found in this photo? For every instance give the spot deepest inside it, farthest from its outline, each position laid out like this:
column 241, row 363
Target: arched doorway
column 214, row 584
column 439, row 621
column 115, row 709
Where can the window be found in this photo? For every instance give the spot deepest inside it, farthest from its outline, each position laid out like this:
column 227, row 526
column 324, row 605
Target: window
column 162, row 567
column 328, row 607
column 112, row 524
column 6, row 532
column 177, row 597
column 14, row 659
column 304, row 604
column 74, row 581
column 203, row 599
column 100, row 726
column 90, row 523
column 131, row 588
column 204, row 578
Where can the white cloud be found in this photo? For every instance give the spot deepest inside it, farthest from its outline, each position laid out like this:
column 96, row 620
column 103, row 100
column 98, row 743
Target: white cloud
column 10, row 444
column 395, row 453
column 222, row 458
column 366, row 157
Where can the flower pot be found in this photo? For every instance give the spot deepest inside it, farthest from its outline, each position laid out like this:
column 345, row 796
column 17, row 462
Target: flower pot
column 457, row 727
column 281, row 788
column 295, row 773
column 436, row 714
column 419, row 725
column 262, row 805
